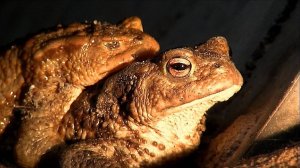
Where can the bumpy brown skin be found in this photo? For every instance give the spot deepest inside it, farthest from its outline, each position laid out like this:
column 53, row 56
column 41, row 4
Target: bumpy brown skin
column 52, row 69
column 11, row 81
column 143, row 114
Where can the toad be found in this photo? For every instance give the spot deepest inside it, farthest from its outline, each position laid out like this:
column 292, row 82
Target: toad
column 42, row 77
column 151, row 112
column 144, row 115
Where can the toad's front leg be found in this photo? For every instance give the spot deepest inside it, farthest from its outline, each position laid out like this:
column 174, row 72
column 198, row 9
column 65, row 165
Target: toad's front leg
column 104, row 153
column 38, row 131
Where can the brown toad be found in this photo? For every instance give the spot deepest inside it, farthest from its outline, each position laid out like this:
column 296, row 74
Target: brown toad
column 151, row 112
column 42, row 77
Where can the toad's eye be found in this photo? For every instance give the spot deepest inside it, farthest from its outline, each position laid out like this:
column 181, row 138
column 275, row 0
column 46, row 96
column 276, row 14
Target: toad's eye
column 179, row 67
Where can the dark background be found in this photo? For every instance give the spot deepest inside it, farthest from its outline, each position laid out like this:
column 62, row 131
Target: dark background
column 172, row 23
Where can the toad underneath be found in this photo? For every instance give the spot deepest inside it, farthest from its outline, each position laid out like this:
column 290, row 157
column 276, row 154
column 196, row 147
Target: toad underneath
column 148, row 113
column 151, row 112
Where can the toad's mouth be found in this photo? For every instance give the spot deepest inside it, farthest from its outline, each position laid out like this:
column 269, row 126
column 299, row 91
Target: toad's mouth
column 205, row 103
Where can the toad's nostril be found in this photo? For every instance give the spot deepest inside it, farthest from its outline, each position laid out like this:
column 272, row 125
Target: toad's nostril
column 112, row 45
column 138, row 38
column 216, row 65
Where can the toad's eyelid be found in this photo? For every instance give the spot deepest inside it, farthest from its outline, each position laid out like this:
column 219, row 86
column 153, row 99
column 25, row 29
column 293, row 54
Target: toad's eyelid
column 182, row 60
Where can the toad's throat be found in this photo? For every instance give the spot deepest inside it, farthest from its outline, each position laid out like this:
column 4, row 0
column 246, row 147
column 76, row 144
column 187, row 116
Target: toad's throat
column 179, row 131
column 183, row 120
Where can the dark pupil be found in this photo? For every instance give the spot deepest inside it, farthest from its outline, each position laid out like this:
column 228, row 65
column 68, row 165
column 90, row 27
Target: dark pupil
column 179, row 66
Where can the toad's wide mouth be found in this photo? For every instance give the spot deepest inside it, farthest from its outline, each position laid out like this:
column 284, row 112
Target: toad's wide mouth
column 205, row 103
